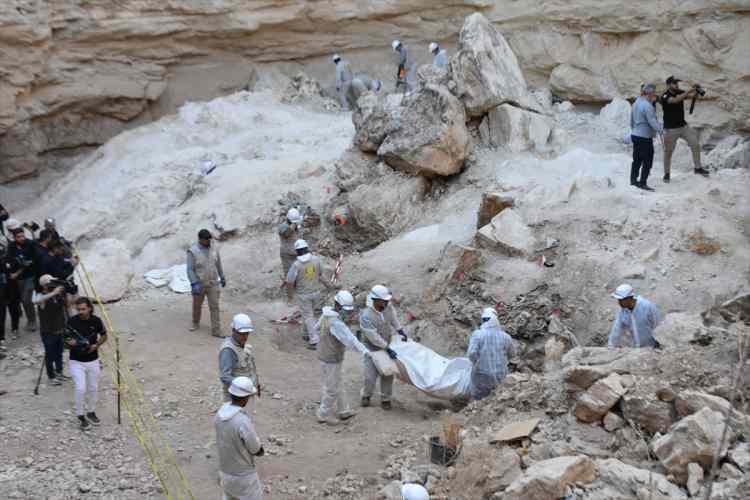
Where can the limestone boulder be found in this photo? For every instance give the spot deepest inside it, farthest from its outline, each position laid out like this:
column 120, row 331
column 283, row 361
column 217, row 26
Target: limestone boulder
column 731, row 152
column 581, row 85
column 616, row 115
column 505, row 468
column 485, row 68
column 695, row 478
column 582, row 366
column 594, row 404
column 740, row 455
column 109, row 265
column 680, row 329
column 628, row 479
column 548, row 479
column 508, row 233
column 430, row 138
column 491, row 205
column 427, row 74
column 646, row 412
column 689, row 402
column 693, row 439
column 354, row 168
column 613, row 422
column 516, row 129
column 375, row 116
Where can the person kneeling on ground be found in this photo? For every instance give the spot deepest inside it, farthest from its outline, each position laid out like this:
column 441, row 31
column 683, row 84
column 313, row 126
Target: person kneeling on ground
column 490, row 348
column 335, row 337
column 51, row 306
column 84, row 334
column 235, row 356
column 637, row 316
column 238, row 444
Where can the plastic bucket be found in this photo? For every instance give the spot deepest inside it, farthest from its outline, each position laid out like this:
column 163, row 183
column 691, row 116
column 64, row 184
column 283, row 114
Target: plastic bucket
column 441, row 454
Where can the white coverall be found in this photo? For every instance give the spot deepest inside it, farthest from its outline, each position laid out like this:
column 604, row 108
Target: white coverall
column 441, row 59
column 237, row 443
column 489, row 350
column 306, row 279
column 335, row 337
column 640, row 322
column 344, row 77
column 378, row 328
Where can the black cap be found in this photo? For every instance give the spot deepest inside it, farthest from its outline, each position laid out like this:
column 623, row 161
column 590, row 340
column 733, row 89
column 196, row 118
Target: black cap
column 204, row 234
column 672, row 79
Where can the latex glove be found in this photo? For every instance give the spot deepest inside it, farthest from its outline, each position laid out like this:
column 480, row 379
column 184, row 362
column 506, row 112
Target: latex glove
column 223, row 282
column 403, row 335
column 391, row 353
column 338, row 89
column 196, row 288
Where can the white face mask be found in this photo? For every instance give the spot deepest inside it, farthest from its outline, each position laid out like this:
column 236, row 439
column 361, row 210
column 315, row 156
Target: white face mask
column 304, row 258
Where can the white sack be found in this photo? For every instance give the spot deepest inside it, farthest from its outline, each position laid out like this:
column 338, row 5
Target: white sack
column 175, row 276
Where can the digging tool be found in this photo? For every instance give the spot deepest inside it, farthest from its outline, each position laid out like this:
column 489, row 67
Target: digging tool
column 39, row 378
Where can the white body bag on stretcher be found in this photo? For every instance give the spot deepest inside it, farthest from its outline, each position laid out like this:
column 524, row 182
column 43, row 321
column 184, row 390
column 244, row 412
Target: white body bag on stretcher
column 426, row 370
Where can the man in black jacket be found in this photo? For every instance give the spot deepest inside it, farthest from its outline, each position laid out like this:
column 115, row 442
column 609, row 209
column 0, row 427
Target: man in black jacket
column 24, row 252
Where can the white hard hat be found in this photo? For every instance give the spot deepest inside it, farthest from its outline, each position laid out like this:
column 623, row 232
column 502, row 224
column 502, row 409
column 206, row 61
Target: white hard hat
column 489, row 312
column 45, row 280
column 242, row 323
column 50, row 221
column 294, row 216
column 12, row 224
column 395, row 44
column 336, row 58
column 242, row 387
column 414, row 492
column 434, row 46
column 380, row 292
column 345, row 300
column 300, row 244
column 623, row 292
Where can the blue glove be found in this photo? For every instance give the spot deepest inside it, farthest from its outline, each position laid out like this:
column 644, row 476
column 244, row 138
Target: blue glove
column 403, row 335
column 196, row 288
column 391, row 353
column 223, row 282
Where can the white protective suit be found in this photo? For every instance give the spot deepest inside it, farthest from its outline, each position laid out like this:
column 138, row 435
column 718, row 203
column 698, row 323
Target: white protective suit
column 237, row 443
column 490, row 348
column 640, row 322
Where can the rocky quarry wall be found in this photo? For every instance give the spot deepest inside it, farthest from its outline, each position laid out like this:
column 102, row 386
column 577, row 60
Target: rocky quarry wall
column 74, row 73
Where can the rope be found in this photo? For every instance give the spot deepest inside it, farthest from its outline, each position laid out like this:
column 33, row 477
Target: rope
column 160, row 457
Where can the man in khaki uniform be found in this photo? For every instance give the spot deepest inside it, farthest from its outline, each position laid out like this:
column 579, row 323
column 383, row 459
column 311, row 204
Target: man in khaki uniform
column 236, row 356
column 335, row 337
column 378, row 323
column 305, row 281
column 206, row 275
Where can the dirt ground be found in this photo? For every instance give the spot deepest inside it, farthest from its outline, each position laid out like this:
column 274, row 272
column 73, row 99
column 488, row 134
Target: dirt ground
column 178, row 373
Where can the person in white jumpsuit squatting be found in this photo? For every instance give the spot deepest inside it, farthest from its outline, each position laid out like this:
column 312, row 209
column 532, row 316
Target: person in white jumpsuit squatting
column 344, row 77
column 238, row 444
column 441, row 57
column 637, row 316
column 490, row 348
column 335, row 337
column 411, row 491
column 378, row 322
column 305, row 280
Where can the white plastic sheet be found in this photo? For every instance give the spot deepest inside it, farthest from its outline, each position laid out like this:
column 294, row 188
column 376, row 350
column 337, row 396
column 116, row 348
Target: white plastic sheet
column 428, row 371
column 175, row 277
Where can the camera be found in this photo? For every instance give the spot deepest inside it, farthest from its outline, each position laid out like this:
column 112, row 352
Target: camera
column 68, row 285
column 699, row 90
column 82, row 343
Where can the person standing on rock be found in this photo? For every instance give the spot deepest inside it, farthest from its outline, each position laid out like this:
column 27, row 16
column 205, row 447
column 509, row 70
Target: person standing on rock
column 24, row 252
column 644, row 127
column 84, row 334
column 637, row 315
column 675, row 126
column 238, row 444
column 441, row 57
column 378, row 322
column 344, row 77
column 51, row 306
column 335, row 337
column 360, row 85
column 490, row 348
column 305, row 281
column 289, row 231
column 406, row 72
column 206, row 274
column 236, row 356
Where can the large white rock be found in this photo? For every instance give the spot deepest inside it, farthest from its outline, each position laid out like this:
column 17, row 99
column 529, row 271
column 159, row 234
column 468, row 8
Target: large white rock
column 516, row 129
column 507, row 232
column 547, row 480
column 581, row 85
column 732, row 152
column 593, row 404
column 616, row 115
column 485, row 68
column 108, row 264
column 680, row 329
column 626, row 478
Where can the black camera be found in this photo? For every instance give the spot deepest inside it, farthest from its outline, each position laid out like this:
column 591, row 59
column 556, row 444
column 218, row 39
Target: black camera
column 699, row 90
column 68, row 285
column 82, row 343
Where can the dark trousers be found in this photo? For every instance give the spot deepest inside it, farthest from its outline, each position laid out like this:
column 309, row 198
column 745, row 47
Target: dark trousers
column 53, row 353
column 643, row 158
column 27, row 289
column 14, row 307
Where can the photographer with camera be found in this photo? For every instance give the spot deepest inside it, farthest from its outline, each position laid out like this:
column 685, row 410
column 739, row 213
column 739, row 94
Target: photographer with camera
column 84, row 334
column 675, row 126
column 10, row 298
column 24, row 252
column 51, row 306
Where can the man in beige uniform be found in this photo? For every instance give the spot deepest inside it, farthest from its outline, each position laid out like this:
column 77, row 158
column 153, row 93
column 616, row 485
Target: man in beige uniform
column 236, row 356
column 305, row 281
column 378, row 323
column 289, row 231
column 205, row 274
column 335, row 337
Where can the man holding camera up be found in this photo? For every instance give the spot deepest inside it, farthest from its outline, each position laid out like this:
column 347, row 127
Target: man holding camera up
column 675, row 126
column 51, row 310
